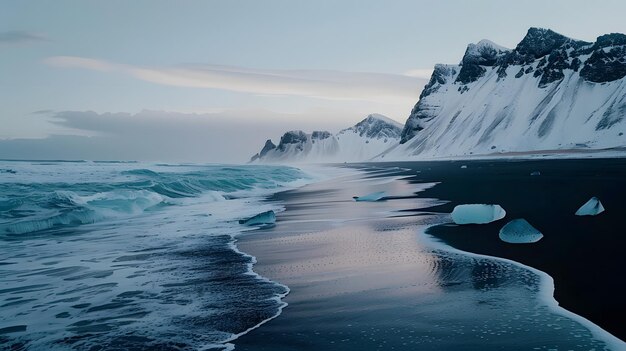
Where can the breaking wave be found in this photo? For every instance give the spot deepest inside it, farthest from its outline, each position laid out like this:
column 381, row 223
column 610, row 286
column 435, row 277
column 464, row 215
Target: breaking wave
column 123, row 256
column 33, row 207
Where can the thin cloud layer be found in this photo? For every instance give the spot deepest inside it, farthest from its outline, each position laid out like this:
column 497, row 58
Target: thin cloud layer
column 19, row 37
column 334, row 85
column 164, row 136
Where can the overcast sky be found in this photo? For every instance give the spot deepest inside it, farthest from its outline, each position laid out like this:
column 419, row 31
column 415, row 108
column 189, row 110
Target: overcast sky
column 210, row 81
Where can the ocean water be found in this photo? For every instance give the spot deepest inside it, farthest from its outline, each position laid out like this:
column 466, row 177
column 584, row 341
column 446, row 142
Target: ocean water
column 119, row 256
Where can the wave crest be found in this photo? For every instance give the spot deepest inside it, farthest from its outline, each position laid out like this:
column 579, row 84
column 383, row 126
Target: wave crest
column 37, row 206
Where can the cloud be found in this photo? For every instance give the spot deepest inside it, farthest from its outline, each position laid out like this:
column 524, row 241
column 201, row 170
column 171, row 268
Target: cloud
column 20, row 37
column 224, row 136
column 324, row 84
column 42, row 112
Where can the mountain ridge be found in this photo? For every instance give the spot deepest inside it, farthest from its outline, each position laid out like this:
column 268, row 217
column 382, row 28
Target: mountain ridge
column 550, row 92
column 568, row 92
column 366, row 139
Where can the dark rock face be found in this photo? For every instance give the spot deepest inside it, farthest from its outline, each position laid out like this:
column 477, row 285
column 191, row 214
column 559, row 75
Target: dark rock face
column 269, row 145
column 613, row 39
column 540, row 42
column 607, row 61
column 470, row 73
column 420, row 114
column 558, row 53
column 553, row 51
column 292, row 137
column 476, row 57
column 440, row 75
column 320, row 135
column 421, row 111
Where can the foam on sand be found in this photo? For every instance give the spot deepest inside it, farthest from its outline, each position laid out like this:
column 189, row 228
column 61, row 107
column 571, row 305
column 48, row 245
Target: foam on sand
column 519, row 231
column 477, row 213
column 593, row 207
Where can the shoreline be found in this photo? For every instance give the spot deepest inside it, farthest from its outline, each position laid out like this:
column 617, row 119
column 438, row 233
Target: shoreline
column 279, row 250
column 547, row 154
column 547, row 287
column 574, row 250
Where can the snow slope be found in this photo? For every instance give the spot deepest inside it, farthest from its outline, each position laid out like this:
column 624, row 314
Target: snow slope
column 368, row 138
column 550, row 92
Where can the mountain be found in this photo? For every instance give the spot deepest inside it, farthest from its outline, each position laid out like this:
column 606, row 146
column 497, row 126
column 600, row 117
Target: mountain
column 550, row 92
column 366, row 139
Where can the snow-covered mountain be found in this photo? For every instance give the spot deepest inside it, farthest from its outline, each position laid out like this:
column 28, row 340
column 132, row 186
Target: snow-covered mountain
column 550, row 92
column 368, row 138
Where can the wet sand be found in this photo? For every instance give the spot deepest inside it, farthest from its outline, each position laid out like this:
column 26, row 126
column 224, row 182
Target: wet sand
column 584, row 255
column 362, row 275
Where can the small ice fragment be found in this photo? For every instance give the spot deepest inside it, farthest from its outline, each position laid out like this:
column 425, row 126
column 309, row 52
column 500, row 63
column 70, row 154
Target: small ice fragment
column 592, row 207
column 267, row 217
column 464, row 166
column 535, row 173
column 477, row 214
column 370, row 197
column 519, row 231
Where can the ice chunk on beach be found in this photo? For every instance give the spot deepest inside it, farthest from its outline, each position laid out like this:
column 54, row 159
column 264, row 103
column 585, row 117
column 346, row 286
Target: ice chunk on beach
column 268, row 217
column 370, row 197
column 592, row 207
column 464, row 166
column 477, row 214
column 519, row 231
column 535, row 173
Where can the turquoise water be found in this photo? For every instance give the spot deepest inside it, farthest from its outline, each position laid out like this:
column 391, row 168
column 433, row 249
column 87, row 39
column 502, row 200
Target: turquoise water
column 130, row 255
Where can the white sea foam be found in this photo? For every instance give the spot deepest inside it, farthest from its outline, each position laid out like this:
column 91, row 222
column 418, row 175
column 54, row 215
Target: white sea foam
column 137, row 255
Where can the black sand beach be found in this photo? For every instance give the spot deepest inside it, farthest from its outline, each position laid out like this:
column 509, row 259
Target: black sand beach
column 363, row 276
column 584, row 255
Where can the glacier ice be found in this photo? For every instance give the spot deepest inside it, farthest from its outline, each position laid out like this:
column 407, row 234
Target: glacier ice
column 267, row 217
column 519, row 231
column 370, row 197
column 592, row 207
column 477, row 213
column 535, row 173
column 464, row 166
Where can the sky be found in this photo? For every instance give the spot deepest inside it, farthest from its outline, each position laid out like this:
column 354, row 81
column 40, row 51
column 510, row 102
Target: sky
column 210, row 81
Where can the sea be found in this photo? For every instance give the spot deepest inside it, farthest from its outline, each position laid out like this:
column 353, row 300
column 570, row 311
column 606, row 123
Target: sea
column 144, row 256
column 132, row 256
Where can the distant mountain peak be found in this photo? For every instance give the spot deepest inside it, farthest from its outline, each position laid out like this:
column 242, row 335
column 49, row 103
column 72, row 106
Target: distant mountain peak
column 376, row 126
column 291, row 137
column 366, row 139
column 539, row 42
column 269, row 145
column 483, row 50
column 483, row 53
